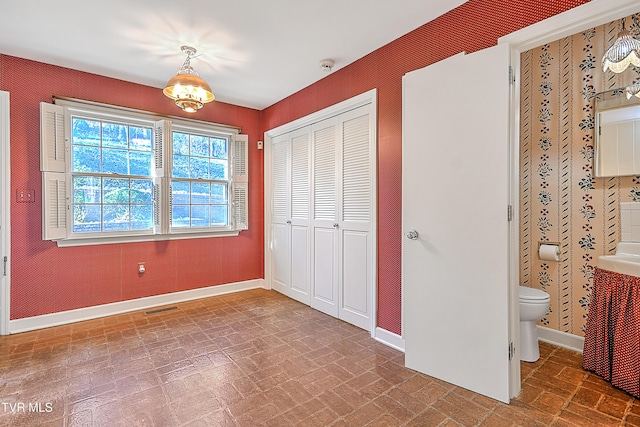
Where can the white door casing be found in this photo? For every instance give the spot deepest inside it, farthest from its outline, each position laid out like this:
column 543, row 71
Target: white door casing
column 455, row 184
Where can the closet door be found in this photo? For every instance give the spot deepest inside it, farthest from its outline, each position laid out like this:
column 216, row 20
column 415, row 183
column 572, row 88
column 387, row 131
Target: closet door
column 300, row 214
column 325, row 292
column 290, row 213
column 280, row 213
column 356, row 250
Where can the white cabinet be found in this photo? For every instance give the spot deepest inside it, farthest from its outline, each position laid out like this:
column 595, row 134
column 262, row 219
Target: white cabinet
column 321, row 224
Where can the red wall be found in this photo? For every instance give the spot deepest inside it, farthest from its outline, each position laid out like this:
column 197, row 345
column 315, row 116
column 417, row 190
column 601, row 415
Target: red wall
column 48, row 279
column 473, row 26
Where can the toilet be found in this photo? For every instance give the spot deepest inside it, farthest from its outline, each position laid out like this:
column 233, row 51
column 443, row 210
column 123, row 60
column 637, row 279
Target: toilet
column 534, row 304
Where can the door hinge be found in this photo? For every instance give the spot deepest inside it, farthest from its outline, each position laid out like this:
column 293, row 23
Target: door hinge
column 4, row 261
column 512, row 76
column 512, row 350
column 509, row 213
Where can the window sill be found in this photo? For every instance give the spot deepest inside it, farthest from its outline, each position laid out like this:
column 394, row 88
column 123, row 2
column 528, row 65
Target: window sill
column 89, row 241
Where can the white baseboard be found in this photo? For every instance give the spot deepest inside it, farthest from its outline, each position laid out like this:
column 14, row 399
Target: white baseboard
column 561, row 339
column 551, row 336
column 80, row 314
column 389, row 338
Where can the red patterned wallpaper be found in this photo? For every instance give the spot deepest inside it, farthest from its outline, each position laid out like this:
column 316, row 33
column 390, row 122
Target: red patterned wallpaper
column 48, row 279
column 475, row 25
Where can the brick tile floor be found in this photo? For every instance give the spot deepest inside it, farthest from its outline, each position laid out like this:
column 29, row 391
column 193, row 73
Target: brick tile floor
column 258, row 358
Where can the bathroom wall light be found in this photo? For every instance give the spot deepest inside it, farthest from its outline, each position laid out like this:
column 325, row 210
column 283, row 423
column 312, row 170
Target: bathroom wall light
column 188, row 90
column 624, row 51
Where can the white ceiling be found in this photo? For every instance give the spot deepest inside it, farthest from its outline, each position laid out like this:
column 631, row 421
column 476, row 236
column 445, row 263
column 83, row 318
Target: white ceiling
column 253, row 53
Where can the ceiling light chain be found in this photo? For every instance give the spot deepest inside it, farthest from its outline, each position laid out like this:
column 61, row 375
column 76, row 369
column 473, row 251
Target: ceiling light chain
column 188, row 90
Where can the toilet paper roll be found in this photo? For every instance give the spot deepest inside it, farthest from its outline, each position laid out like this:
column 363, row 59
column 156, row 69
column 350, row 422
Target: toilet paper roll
column 549, row 252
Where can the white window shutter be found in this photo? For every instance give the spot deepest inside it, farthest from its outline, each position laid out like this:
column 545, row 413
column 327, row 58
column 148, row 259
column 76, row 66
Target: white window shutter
column 241, row 158
column 54, row 205
column 53, row 151
column 241, row 182
column 162, row 138
column 161, row 204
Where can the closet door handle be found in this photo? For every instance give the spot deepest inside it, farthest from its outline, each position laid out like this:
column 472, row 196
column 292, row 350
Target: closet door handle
column 289, row 221
column 336, row 225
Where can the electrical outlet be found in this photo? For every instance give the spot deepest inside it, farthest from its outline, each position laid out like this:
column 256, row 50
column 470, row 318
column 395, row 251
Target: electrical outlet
column 25, row 195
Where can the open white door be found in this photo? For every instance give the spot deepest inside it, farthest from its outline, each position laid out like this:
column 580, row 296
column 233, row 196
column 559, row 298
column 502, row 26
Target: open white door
column 455, row 195
column 5, row 229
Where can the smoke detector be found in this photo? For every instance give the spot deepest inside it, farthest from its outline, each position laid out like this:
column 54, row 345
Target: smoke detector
column 327, row 65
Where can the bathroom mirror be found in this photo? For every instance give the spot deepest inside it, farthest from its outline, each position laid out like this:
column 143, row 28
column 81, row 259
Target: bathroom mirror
column 617, row 130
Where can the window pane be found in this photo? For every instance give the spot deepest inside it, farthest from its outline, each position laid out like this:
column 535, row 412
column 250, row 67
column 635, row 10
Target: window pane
column 218, row 148
column 200, row 159
column 116, row 217
column 199, row 168
column 218, row 169
column 86, row 159
column 115, row 191
column 181, row 143
column 180, row 194
column 141, row 217
column 140, row 138
column 87, row 218
column 200, row 215
column 141, row 192
column 218, row 215
column 85, row 132
column 140, row 163
column 199, row 146
column 180, row 166
column 114, row 135
column 115, row 161
column 180, row 216
column 219, row 193
column 200, row 193
column 86, row 189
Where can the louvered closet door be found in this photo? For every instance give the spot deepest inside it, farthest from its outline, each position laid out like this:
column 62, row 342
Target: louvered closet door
column 280, row 213
column 355, row 225
column 325, row 292
column 300, row 214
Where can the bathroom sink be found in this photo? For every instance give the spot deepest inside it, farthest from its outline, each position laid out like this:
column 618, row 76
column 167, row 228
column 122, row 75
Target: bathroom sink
column 625, row 261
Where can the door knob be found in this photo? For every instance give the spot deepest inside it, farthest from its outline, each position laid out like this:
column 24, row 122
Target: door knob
column 412, row 235
column 289, row 222
column 335, row 225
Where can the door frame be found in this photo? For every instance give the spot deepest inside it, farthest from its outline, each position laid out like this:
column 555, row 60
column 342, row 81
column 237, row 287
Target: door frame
column 580, row 18
column 5, row 213
column 366, row 98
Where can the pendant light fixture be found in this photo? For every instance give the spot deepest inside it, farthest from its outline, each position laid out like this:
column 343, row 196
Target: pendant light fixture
column 188, row 90
column 633, row 90
column 624, row 51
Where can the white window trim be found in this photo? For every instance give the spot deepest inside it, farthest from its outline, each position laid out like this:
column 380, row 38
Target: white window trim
column 238, row 181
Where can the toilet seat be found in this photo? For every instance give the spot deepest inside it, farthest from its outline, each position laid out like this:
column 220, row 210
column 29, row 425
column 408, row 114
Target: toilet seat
column 532, row 295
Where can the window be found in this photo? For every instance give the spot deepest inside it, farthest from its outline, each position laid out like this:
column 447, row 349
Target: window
column 114, row 175
column 199, row 180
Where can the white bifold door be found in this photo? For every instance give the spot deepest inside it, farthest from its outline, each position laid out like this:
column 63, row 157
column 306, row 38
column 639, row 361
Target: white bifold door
column 290, row 214
column 322, row 239
column 455, row 203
